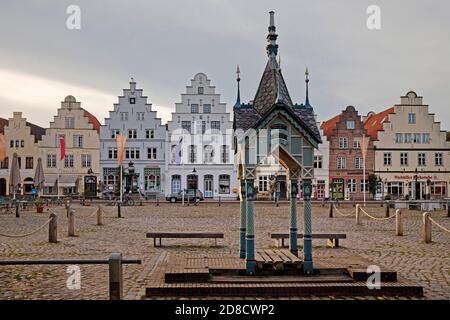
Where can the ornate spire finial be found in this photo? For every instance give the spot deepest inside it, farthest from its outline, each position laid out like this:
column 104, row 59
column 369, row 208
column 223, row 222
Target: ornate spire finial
column 132, row 79
column 272, row 47
column 238, row 79
column 307, row 88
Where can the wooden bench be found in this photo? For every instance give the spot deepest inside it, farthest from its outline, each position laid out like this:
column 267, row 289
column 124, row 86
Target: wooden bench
column 333, row 238
column 184, row 235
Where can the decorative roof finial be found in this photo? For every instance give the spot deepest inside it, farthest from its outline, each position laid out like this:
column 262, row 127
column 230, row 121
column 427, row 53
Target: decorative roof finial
column 132, row 79
column 307, row 88
column 272, row 47
column 238, row 79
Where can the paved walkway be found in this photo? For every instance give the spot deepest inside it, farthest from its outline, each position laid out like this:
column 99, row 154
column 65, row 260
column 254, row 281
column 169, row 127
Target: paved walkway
column 427, row 264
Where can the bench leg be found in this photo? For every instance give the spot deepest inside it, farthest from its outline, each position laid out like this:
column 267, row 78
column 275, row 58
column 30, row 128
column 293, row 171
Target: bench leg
column 160, row 242
column 336, row 243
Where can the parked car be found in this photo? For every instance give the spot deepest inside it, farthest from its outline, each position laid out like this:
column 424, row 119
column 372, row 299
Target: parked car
column 191, row 195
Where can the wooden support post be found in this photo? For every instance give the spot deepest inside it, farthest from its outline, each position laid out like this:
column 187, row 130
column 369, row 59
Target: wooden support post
column 398, row 223
column 386, row 209
column 71, row 223
column 330, row 209
column 426, row 227
column 119, row 213
column 115, row 277
column 357, row 217
column 99, row 216
column 53, row 228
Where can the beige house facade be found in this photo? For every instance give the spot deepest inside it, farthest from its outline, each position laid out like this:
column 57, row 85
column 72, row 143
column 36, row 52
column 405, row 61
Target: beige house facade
column 78, row 173
column 21, row 137
column 411, row 151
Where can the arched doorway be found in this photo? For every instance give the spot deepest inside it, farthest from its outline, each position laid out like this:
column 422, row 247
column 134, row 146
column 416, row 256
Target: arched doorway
column 2, row 187
column 28, row 185
column 192, row 181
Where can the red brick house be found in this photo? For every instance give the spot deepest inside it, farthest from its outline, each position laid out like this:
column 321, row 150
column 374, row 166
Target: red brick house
column 345, row 133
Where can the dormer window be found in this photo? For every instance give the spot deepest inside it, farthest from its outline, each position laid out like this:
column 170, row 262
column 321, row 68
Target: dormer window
column 200, row 90
column 132, row 100
column 350, row 124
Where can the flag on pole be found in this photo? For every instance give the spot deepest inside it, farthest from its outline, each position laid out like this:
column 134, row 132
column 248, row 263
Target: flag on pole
column 62, row 147
column 178, row 155
column 121, row 141
column 2, row 147
column 364, row 146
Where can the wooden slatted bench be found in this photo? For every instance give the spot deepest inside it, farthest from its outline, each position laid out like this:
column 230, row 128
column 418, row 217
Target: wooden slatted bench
column 184, row 235
column 333, row 238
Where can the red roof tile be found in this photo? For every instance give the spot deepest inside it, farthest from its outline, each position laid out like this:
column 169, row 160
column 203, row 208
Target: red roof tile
column 328, row 126
column 93, row 120
column 374, row 123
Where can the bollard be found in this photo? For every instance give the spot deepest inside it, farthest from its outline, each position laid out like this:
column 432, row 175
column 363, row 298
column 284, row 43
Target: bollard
column 115, row 277
column 426, row 227
column 357, row 214
column 71, row 226
column 119, row 213
column 219, row 201
column 17, row 209
column 330, row 210
column 140, row 203
column 398, row 223
column 99, row 216
column 67, row 205
column 53, row 228
column 448, row 208
column 386, row 209
column 157, row 202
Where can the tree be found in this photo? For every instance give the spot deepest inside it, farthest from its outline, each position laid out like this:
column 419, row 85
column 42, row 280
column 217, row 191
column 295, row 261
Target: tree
column 373, row 182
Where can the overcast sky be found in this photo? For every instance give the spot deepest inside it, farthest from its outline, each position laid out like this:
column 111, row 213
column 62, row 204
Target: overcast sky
column 162, row 44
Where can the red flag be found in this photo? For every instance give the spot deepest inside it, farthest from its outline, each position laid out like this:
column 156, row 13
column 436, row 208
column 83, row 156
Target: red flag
column 62, row 148
column 2, row 148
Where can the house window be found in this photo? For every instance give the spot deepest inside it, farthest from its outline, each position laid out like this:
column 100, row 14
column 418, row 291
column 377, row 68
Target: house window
column 359, row 163
column 263, row 183
column 225, row 154
column 343, row 143
column 112, row 153
column 186, row 125
column 4, row 164
column 399, row 138
column 387, row 159
column 395, row 189
column 351, row 184
column 132, row 134
column 114, row 133
column 11, row 143
column 68, row 161
column 426, row 138
column 151, row 153
column 341, row 162
column 22, row 143
column 176, row 183
column 149, row 134
column 51, row 161
column 70, row 122
column 208, row 154
column 356, row 143
column 140, row 116
column 17, row 143
column 215, row 125
column 224, row 184
column 192, row 154
column 408, row 138
column 152, row 179
column 350, row 124
column 124, row 116
column 403, row 159
column 86, row 161
column 194, row 108
column 132, row 100
column 438, row 159
column 29, row 163
column 207, row 108
column 78, row 141
column 417, row 137
column 421, row 159
column 364, row 185
column 132, row 153
column 439, row 189
column 318, row 162
column 411, row 118
column 200, row 90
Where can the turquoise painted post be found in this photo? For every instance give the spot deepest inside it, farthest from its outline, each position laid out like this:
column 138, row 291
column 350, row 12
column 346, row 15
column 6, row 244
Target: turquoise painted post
column 293, row 230
column 250, row 252
column 307, row 239
column 243, row 229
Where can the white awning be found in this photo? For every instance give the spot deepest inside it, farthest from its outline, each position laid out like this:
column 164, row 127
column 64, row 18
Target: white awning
column 50, row 181
column 68, row 181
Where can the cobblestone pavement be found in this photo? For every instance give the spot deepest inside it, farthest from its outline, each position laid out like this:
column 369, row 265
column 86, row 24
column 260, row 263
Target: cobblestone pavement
column 427, row 264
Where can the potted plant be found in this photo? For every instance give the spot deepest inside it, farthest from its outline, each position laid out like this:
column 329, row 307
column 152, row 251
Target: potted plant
column 39, row 203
